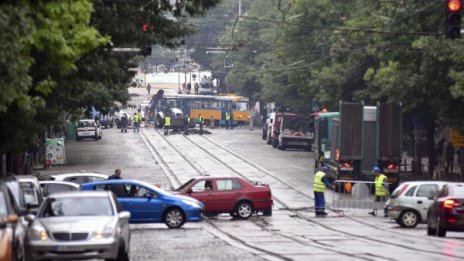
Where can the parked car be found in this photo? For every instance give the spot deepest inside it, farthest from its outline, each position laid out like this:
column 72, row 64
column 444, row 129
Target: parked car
column 32, row 192
column 88, row 129
column 232, row 195
column 12, row 227
column 149, row 204
column 447, row 210
column 77, row 225
column 79, row 178
column 52, row 186
column 409, row 202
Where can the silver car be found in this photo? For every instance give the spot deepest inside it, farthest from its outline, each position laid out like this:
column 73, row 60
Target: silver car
column 79, row 177
column 79, row 225
column 409, row 203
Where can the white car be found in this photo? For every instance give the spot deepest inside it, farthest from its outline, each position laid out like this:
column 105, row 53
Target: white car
column 88, row 128
column 79, row 178
column 409, row 203
column 53, row 186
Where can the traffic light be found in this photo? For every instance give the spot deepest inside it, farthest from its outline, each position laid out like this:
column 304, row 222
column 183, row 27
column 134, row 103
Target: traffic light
column 145, row 51
column 453, row 18
column 147, row 27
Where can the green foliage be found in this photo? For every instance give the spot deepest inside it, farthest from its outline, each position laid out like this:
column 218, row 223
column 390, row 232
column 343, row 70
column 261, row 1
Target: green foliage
column 56, row 60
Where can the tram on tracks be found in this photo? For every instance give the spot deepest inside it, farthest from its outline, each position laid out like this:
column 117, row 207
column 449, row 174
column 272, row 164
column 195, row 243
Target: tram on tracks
column 213, row 108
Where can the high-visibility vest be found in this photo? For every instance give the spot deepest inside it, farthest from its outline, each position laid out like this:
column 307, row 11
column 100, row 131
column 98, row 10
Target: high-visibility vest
column 167, row 121
column 319, row 185
column 202, row 120
column 379, row 188
column 227, row 116
column 136, row 118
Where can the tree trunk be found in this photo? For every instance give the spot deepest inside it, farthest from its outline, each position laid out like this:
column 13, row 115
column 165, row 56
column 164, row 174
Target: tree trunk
column 431, row 148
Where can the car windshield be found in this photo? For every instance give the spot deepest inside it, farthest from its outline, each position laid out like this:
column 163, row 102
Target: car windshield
column 30, row 193
column 86, row 124
column 77, row 206
column 181, row 188
column 3, row 207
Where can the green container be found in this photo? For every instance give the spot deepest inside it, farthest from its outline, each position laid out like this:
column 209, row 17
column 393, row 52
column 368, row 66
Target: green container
column 71, row 131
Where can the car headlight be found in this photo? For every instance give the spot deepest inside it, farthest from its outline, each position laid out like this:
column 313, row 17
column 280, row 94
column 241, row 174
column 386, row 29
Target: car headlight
column 107, row 232
column 192, row 203
column 37, row 232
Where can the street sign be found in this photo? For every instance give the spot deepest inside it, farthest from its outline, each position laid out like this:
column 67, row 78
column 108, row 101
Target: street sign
column 457, row 138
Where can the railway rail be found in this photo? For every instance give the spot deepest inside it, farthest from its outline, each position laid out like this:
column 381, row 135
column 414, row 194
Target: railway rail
column 182, row 157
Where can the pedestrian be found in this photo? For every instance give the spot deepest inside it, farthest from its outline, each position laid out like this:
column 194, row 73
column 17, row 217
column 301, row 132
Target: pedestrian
column 167, row 124
column 321, row 183
column 196, row 86
column 381, row 189
column 149, row 89
column 227, row 120
column 186, row 124
column 189, row 87
column 450, row 151
column 116, row 174
column 201, row 121
column 124, row 122
column 137, row 120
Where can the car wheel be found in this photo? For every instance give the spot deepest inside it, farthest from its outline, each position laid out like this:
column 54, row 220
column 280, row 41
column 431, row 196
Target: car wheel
column 174, row 218
column 274, row 143
column 244, row 210
column 430, row 230
column 441, row 231
column 408, row 219
column 159, row 123
column 267, row 212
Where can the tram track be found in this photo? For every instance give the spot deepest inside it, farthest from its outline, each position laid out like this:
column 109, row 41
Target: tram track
column 296, row 238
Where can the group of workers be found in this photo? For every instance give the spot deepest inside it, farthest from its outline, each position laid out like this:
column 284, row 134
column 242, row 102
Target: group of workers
column 322, row 183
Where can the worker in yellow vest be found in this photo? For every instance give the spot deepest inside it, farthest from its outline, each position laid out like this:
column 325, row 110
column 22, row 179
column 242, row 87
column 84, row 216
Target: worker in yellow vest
column 381, row 189
column 136, row 120
column 227, row 120
column 167, row 124
column 201, row 122
column 321, row 183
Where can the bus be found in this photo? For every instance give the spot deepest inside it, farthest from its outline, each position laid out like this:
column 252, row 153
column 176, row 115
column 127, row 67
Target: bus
column 211, row 107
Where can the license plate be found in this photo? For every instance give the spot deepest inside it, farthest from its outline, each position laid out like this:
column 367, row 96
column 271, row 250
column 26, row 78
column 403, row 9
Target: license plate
column 66, row 248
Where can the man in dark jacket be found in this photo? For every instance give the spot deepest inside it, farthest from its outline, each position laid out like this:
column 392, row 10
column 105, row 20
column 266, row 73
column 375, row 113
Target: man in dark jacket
column 116, row 174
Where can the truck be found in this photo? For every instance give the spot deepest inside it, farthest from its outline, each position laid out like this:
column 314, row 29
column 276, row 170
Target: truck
column 357, row 138
column 284, row 129
column 295, row 131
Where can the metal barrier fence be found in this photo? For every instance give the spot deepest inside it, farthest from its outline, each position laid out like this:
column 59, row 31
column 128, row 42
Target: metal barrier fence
column 355, row 195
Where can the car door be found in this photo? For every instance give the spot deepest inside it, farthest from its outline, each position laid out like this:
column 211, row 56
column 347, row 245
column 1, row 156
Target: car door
column 228, row 193
column 145, row 206
column 206, row 196
column 421, row 199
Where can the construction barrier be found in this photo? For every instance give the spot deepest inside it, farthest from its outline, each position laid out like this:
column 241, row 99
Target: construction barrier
column 353, row 195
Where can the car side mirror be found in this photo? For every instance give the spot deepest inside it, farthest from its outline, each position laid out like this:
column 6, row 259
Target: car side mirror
column 30, row 217
column 189, row 191
column 148, row 196
column 124, row 215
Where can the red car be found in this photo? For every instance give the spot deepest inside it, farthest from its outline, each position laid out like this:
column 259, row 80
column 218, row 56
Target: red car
column 232, row 195
column 447, row 211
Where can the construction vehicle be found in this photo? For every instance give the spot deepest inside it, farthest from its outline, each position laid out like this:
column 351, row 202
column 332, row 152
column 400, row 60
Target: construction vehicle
column 357, row 138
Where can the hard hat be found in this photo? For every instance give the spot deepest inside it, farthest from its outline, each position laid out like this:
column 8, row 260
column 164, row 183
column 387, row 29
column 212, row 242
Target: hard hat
column 325, row 168
column 376, row 170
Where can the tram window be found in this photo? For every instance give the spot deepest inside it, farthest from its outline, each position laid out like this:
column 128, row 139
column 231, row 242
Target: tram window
column 214, row 105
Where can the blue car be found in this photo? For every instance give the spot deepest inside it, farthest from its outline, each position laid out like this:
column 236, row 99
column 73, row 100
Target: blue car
column 149, row 204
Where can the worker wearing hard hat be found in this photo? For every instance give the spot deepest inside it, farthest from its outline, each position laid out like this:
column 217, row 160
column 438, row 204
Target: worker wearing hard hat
column 381, row 189
column 321, row 183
